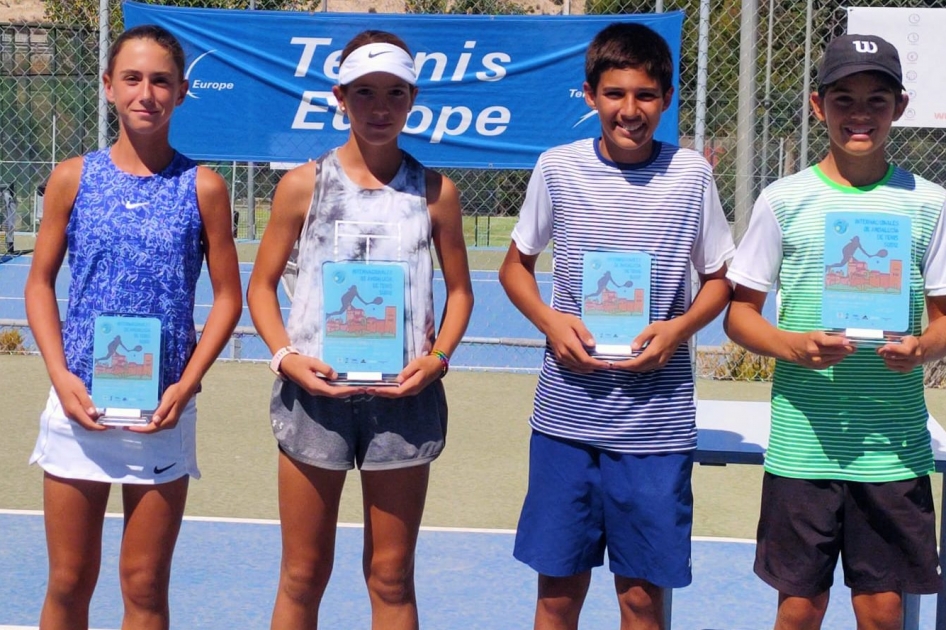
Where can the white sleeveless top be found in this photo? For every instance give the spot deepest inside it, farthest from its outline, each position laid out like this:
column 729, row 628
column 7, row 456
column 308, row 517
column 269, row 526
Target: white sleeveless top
column 346, row 222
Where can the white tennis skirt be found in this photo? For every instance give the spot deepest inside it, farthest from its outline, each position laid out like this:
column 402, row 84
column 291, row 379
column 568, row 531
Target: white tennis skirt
column 65, row 449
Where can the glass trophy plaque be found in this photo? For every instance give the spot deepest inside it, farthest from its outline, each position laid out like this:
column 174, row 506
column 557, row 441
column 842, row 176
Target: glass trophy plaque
column 615, row 304
column 126, row 368
column 867, row 262
column 363, row 321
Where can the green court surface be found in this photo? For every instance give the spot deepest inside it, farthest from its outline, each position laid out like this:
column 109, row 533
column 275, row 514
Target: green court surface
column 479, row 481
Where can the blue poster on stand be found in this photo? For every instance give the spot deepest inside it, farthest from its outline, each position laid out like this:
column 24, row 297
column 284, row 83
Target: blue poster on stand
column 363, row 322
column 494, row 91
column 126, row 366
column 867, row 260
column 615, row 305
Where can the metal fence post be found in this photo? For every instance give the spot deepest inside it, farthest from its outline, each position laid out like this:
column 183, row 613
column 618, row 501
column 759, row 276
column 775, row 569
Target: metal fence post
column 702, row 64
column 745, row 117
column 806, row 90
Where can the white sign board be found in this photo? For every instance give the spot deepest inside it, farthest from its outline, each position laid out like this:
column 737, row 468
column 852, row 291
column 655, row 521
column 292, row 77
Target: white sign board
column 918, row 36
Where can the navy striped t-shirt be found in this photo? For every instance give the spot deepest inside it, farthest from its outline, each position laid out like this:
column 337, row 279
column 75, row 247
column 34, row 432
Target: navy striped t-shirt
column 668, row 207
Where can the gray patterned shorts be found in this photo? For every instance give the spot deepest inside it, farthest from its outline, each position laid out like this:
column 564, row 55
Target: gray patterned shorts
column 371, row 432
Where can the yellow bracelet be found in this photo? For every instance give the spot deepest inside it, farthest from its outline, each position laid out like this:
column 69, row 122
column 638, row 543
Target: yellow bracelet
column 444, row 361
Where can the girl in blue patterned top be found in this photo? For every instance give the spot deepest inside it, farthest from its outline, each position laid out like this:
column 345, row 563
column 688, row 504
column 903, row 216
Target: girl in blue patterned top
column 364, row 201
column 137, row 219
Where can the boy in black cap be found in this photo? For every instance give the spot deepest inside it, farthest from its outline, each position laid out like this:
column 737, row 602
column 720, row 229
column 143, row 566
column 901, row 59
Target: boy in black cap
column 849, row 457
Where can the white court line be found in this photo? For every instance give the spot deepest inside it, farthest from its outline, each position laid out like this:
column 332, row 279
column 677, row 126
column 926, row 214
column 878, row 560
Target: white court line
column 63, row 300
column 22, row 512
column 247, row 267
column 264, row 521
column 495, row 281
column 723, row 539
column 425, row 528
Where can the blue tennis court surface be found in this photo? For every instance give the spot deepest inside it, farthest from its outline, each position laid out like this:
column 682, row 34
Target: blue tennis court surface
column 498, row 337
column 225, row 574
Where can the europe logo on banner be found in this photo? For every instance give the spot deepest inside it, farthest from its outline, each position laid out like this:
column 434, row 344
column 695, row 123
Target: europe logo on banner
column 495, row 91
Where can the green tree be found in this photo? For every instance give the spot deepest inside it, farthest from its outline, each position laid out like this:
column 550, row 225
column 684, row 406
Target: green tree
column 466, row 7
column 86, row 12
column 425, row 6
column 486, row 7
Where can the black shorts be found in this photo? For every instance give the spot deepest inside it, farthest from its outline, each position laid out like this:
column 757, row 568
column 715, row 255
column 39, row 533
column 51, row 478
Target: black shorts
column 884, row 532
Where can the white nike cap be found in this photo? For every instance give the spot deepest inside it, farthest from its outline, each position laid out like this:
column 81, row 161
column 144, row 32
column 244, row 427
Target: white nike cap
column 377, row 57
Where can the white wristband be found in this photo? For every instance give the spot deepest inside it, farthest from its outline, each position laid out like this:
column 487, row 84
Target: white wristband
column 281, row 354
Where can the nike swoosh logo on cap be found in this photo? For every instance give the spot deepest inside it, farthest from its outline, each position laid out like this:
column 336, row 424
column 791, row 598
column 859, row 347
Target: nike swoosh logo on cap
column 374, row 54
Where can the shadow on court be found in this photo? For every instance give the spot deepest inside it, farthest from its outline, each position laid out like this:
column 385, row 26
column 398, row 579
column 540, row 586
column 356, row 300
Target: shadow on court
column 478, row 483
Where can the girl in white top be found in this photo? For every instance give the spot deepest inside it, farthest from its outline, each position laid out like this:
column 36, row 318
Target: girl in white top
column 392, row 433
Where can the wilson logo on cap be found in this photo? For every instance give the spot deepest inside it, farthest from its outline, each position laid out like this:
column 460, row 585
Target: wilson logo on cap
column 865, row 47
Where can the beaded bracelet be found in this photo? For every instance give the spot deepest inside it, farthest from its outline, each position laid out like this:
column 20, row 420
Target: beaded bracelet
column 444, row 361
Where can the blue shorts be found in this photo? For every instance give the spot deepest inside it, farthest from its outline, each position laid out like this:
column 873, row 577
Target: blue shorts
column 583, row 500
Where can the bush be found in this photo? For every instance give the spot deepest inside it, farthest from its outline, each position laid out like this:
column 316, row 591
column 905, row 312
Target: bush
column 732, row 362
column 935, row 374
column 11, row 341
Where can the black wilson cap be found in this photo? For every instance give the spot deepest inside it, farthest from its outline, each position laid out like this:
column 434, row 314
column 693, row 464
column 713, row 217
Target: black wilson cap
column 850, row 54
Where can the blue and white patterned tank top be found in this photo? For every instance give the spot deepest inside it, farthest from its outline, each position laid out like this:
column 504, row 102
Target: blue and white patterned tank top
column 135, row 247
column 348, row 222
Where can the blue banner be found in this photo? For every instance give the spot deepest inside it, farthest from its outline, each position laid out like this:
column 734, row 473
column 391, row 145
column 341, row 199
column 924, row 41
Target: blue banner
column 495, row 91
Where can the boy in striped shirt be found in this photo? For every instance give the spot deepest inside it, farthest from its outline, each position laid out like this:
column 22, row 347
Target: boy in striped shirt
column 849, row 457
column 612, row 443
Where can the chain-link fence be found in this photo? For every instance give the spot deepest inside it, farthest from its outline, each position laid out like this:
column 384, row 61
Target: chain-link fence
column 746, row 69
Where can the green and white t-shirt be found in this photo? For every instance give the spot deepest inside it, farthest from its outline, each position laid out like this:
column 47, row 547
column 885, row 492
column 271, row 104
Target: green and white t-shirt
column 857, row 420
